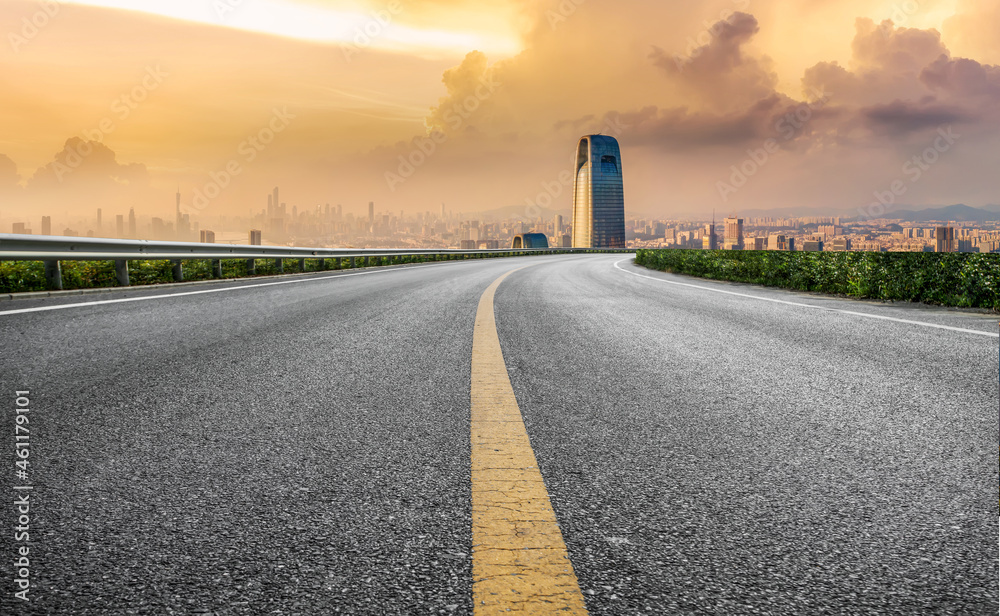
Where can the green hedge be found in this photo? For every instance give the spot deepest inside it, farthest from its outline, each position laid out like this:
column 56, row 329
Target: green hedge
column 950, row 279
column 22, row 276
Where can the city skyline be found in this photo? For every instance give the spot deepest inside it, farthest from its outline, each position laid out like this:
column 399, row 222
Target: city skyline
column 328, row 225
column 732, row 106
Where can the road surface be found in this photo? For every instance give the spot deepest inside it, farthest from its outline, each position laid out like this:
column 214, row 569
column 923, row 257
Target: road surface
column 304, row 447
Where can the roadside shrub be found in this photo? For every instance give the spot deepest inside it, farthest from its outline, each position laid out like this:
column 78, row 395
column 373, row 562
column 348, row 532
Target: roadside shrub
column 968, row 280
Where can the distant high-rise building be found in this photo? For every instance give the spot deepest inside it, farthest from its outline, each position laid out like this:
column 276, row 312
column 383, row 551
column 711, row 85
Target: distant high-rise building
column 254, row 238
column 944, row 239
column 558, row 225
column 598, row 194
column 371, row 212
column 99, row 219
column 207, row 236
column 444, row 215
column 710, row 241
column 566, row 241
column 274, row 198
column 160, row 229
column 753, row 243
column 46, row 225
column 812, row 246
column 20, row 228
column 131, row 223
column 965, row 246
column 182, row 222
column 119, row 226
column 840, row 244
column 734, row 233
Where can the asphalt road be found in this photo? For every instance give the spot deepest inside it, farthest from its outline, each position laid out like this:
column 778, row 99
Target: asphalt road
column 304, row 448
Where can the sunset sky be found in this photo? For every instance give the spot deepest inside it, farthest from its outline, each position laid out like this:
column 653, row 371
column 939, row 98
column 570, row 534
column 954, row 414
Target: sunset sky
column 114, row 103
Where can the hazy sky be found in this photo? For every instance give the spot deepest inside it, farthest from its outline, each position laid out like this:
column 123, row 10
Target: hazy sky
column 727, row 104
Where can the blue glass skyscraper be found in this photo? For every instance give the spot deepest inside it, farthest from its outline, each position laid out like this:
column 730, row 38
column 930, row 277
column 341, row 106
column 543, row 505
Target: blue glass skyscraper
column 599, row 195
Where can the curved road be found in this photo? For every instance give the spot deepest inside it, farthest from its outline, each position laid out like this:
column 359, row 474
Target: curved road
column 304, row 447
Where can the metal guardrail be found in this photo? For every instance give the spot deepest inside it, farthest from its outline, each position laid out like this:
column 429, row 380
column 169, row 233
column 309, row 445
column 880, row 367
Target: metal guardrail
column 53, row 249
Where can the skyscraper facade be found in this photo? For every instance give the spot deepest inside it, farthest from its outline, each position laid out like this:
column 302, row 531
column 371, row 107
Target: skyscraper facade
column 734, row 234
column 710, row 241
column 599, row 194
column 944, row 239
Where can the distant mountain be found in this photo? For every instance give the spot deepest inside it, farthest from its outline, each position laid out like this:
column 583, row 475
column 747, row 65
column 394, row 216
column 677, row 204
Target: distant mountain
column 952, row 213
column 786, row 212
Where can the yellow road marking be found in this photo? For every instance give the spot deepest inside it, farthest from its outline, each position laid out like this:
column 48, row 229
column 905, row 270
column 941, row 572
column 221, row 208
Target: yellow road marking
column 519, row 560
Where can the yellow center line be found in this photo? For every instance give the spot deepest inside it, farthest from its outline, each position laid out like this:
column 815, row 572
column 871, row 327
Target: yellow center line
column 519, row 560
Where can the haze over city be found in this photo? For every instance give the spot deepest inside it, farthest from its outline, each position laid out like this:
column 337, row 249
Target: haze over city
column 732, row 105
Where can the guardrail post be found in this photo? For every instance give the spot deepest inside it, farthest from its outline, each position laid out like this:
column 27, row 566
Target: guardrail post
column 178, row 270
column 251, row 267
column 354, row 262
column 121, row 272
column 302, row 265
column 216, row 268
column 53, row 275
column 322, row 265
column 280, row 264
